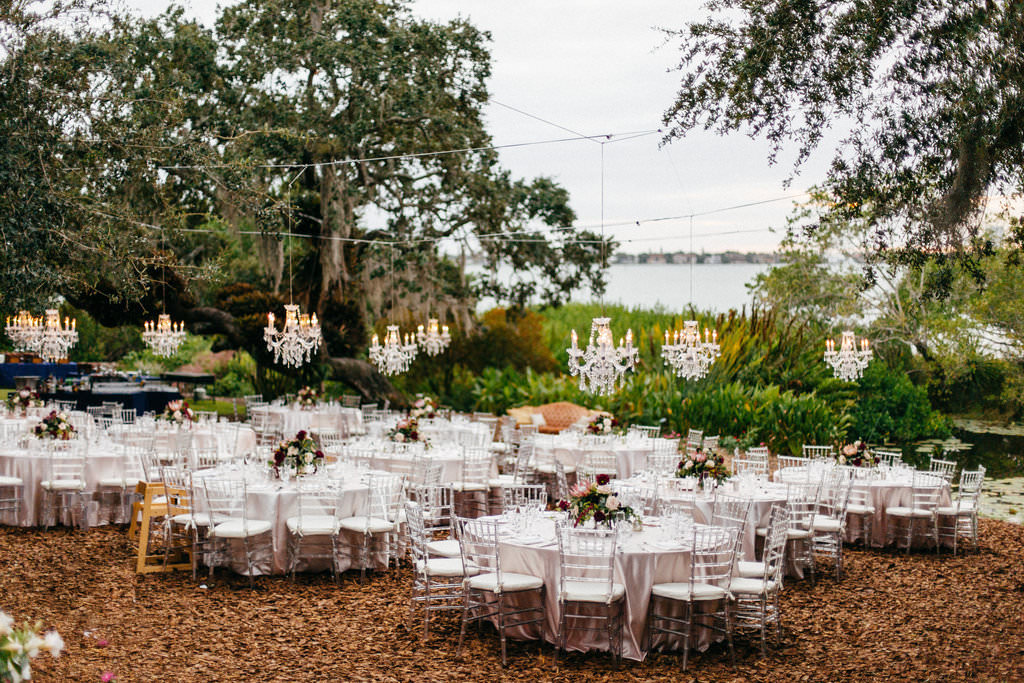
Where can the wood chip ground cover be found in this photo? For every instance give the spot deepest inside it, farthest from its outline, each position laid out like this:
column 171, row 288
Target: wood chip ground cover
column 891, row 618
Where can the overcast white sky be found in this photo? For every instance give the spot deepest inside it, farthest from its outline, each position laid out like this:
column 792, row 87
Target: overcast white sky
column 601, row 66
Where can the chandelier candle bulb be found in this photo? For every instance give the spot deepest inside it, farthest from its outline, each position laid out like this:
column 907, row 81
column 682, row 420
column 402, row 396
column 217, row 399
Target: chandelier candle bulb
column 602, row 365
column 296, row 342
column 848, row 363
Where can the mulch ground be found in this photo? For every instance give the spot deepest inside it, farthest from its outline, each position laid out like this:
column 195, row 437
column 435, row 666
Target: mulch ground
column 916, row 618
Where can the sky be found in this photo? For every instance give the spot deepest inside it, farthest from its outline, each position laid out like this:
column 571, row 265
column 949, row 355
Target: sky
column 600, row 67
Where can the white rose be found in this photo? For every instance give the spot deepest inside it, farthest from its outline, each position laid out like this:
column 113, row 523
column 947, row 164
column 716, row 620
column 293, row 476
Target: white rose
column 53, row 643
column 612, row 503
column 604, row 490
column 33, row 646
column 293, row 451
column 399, row 437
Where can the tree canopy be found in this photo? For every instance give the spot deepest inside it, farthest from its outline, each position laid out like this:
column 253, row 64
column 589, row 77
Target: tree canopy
column 927, row 94
column 331, row 152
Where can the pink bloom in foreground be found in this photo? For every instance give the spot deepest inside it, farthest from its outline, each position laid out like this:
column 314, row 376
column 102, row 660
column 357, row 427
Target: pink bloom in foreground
column 108, row 676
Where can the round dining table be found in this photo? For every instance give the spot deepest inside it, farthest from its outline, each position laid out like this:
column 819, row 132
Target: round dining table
column 275, row 500
column 644, row 558
column 631, row 452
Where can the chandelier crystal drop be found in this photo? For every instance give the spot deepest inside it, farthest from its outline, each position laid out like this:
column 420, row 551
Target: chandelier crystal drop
column 602, row 365
column 163, row 336
column 848, row 362
column 297, row 341
column 393, row 356
column 434, row 339
column 23, row 331
column 687, row 355
column 53, row 341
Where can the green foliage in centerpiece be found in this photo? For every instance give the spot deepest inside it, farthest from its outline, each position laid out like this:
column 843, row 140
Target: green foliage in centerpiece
column 596, row 500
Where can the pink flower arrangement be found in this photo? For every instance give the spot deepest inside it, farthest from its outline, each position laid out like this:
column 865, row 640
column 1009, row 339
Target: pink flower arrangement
column 299, row 454
column 595, row 500
column 177, row 412
column 423, row 408
column 703, row 465
column 856, row 454
column 407, row 431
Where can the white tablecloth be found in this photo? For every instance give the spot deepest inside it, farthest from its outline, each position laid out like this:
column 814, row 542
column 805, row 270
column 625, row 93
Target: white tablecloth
column 275, row 501
column 103, row 460
column 644, row 560
column 630, row 452
column 290, row 419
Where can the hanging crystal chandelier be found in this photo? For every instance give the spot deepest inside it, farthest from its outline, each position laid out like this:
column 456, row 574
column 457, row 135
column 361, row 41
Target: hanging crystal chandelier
column 601, row 365
column 687, row 355
column 23, row 331
column 848, row 363
column 163, row 337
column 296, row 342
column 433, row 340
column 393, row 356
column 52, row 342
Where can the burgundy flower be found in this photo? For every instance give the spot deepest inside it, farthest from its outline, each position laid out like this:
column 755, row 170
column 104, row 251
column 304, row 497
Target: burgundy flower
column 563, row 505
column 602, row 479
column 279, row 458
column 319, row 455
column 599, row 516
column 301, row 435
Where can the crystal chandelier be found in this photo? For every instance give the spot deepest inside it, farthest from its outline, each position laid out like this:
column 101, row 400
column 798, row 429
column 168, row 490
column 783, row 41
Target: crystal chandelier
column 163, row 337
column 52, row 342
column 601, row 365
column 296, row 342
column 432, row 340
column 23, row 331
column 393, row 356
column 687, row 355
column 848, row 363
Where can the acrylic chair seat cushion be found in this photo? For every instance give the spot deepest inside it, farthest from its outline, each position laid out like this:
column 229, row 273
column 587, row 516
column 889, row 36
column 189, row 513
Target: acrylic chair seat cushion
column 751, row 570
column 63, row 484
column 510, row 582
column 124, row 482
column 442, row 566
column 744, row 585
column 192, row 518
column 312, row 525
column 369, row 525
column 444, row 548
column 857, row 509
column 827, row 525
column 966, row 508
column 588, row 591
column 11, row 481
column 549, row 468
column 465, row 486
column 237, row 528
column 920, row 513
column 683, row 591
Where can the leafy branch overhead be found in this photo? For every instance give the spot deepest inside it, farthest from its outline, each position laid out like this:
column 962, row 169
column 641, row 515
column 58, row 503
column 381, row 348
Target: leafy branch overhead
column 926, row 95
column 144, row 156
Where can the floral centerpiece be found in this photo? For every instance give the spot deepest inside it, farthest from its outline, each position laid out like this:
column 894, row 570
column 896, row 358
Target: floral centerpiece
column 299, row 455
column 602, row 425
column 595, row 500
column 423, row 408
column 704, row 466
column 177, row 412
column 54, row 426
column 19, row 646
column 307, row 397
column 22, row 399
column 856, row 454
column 407, row 431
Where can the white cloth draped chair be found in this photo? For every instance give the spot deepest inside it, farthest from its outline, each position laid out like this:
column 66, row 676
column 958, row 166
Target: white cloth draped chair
column 960, row 520
column 487, row 586
column 587, row 590
column 705, row 596
column 757, row 595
